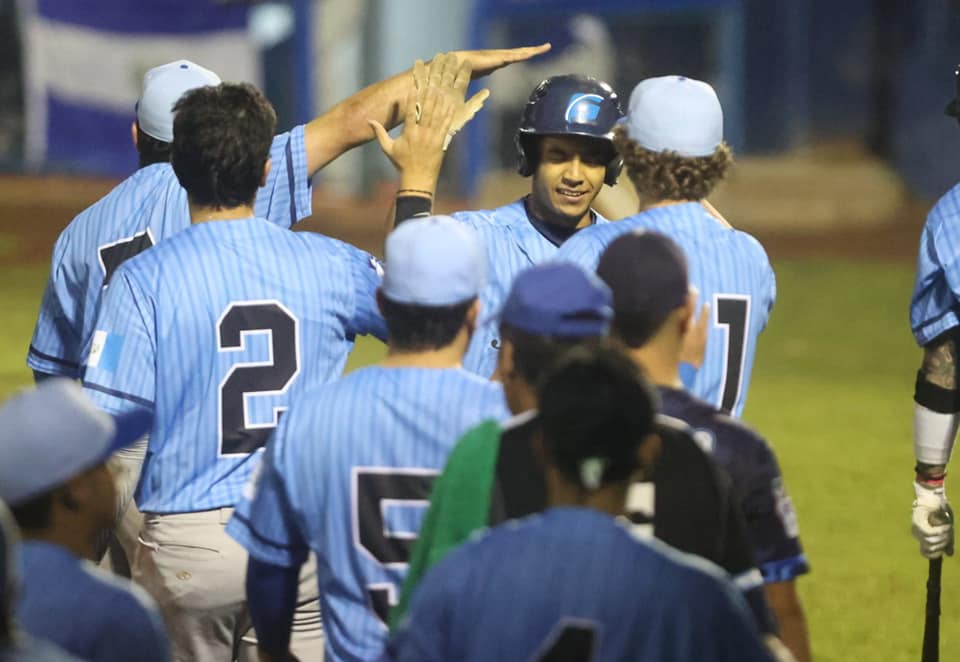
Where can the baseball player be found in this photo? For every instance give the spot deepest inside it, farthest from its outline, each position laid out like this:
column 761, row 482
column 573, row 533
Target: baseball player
column 215, row 334
column 54, row 445
column 15, row 645
column 565, row 144
column 349, row 469
column 493, row 474
column 573, row 582
column 936, row 327
column 672, row 145
column 653, row 312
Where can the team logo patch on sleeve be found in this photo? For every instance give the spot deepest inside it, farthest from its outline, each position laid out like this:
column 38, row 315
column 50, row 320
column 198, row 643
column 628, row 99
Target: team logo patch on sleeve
column 105, row 351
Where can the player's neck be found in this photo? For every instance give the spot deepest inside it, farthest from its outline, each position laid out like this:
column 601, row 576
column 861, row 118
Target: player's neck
column 654, row 204
column 607, row 499
column 70, row 535
column 450, row 356
column 201, row 214
column 660, row 363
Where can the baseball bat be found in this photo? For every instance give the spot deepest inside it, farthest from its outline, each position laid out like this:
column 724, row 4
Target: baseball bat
column 931, row 626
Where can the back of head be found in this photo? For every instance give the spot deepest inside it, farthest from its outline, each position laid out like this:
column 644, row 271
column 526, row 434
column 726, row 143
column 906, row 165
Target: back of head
column 435, row 269
column 647, row 273
column 162, row 87
column 221, row 143
column 568, row 105
column 672, row 139
column 596, row 409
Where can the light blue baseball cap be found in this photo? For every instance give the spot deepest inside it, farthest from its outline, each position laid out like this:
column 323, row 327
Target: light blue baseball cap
column 675, row 113
column 53, row 432
column 433, row 261
column 162, row 88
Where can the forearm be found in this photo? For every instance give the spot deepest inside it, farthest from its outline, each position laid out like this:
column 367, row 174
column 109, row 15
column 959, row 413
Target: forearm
column 937, row 401
column 272, row 600
column 783, row 599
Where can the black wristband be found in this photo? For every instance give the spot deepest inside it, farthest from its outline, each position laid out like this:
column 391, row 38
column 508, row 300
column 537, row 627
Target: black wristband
column 936, row 398
column 411, row 206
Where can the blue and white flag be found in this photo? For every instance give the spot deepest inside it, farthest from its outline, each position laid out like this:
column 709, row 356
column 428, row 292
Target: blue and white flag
column 84, row 62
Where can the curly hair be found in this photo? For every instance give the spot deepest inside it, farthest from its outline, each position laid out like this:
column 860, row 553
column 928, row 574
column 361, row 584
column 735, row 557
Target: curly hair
column 667, row 175
column 221, row 142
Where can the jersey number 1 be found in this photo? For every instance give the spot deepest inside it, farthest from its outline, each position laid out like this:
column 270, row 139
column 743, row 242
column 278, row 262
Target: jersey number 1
column 732, row 314
column 238, row 436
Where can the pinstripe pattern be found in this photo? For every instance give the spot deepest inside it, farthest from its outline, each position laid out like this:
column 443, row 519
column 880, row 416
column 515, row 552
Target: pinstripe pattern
column 721, row 261
column 936, row 289
column 150, row 200
column 512, row 244
column 158, row 339
column 309, row 491
column 509, row 594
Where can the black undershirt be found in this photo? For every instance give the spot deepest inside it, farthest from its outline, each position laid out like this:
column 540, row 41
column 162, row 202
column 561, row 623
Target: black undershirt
column 555, row 233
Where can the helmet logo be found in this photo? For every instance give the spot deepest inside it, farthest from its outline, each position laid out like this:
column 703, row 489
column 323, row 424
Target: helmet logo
column 583, row 108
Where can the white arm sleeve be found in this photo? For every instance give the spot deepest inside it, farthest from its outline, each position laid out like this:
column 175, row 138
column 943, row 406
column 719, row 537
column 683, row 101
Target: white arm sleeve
column 933, row 435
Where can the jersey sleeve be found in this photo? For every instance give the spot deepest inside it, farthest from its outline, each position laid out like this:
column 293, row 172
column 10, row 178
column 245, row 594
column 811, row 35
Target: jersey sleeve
column 367, row 276
column 55, row 347
column 264, row 522
column 119, row 372
column 772, row 521
column 286, row 198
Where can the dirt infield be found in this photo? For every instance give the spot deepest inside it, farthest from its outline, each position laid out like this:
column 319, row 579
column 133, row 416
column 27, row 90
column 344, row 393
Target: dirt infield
column 33, row 211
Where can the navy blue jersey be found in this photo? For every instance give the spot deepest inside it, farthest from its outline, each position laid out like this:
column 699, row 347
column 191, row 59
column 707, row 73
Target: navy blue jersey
column 732, row 273
column 217, row 330
column 512, row 243
column 145, row 208
column 936, row 289
column 757, row 482
column 572, row 583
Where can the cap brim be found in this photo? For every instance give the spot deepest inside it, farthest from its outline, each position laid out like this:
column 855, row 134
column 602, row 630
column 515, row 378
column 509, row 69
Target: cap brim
column 131, row 427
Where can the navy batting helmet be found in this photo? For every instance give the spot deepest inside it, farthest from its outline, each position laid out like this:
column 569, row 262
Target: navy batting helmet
column 569, row 105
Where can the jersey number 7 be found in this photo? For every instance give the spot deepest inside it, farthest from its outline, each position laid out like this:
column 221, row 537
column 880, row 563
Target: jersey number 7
column 732, row 312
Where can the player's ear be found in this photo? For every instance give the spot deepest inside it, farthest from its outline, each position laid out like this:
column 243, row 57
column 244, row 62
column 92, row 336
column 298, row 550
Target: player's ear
column 473, row 314
column 134, row 133
column 689, row 310
column 266, row 172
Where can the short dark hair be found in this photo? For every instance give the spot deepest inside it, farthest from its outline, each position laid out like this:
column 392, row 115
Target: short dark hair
column 415, row 328
column 534, row 354
column 595, row 404
column 150, row 150
column 34, row 514
column 635, row 329
column 221, row 142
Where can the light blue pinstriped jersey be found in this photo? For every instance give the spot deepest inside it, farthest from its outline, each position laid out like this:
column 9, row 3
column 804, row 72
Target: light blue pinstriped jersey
column 571, row 583
column 936, row 289
column 348, row 474
column 512, row 244
column 219, row 329
column 145, row 208
column 733, row 274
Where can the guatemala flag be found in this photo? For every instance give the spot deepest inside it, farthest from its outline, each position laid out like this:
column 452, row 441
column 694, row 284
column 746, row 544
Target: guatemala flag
column 84, row 62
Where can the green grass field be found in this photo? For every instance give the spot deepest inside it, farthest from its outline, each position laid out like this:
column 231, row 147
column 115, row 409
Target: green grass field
column 832, row 391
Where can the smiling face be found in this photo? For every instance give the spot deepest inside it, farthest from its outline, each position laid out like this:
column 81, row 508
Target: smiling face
column 569, row 175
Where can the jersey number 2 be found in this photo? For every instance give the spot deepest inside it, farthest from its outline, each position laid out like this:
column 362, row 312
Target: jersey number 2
column 732, row 314
column 238, row 436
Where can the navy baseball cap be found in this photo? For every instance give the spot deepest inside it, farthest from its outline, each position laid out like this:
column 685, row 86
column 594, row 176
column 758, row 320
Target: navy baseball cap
column 558, row 299
column 53, row 432
column 647, row 273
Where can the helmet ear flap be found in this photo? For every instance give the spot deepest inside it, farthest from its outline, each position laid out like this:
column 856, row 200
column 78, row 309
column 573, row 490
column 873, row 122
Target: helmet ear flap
column 614, row 166
column 525, row 164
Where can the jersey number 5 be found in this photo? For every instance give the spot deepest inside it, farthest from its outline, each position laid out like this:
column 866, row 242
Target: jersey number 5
column 732, row 314
column 238, row 436
column 374, row 490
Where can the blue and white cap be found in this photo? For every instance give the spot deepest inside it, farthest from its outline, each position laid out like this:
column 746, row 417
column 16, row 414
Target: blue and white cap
column 162, row 88
column 433, row 261
column 675, row 113
column 53, row 432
